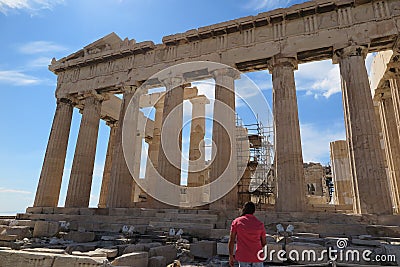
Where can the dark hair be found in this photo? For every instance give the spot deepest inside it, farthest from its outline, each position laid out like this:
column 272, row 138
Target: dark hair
column 248, row 208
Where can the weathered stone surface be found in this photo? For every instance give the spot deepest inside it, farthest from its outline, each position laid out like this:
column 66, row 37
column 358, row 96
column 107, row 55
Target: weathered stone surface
column 80, row 237
column 134, row 248
column 19, row 231
column 6, row 237
column 382, row 230
column 45, row 229
column 204, row 249
column 93, row 253
column 12, row 258
column 137, row 259
column 362, row 242
column 110, row 252
column 78, row 261
column 157, row 261
column 148, row 246
column 45, row 250
column 169, row 252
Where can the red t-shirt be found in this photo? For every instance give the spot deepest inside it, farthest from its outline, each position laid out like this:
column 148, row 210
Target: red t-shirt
column 248, row 231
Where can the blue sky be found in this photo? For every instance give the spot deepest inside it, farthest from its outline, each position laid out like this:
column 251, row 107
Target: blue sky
column 34, row 31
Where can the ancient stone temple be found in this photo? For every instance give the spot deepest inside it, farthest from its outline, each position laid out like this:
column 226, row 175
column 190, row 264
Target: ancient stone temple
column 366, row 169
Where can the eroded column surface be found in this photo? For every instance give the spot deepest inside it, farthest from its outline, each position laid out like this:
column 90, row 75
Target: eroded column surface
column 341, row 173
column 370, row 179
column 107, row 165
column 169, row 155
column 80, row 181
column 224, row 137
column 395, row 92
column 288, row 154
column 392, row 146
column 154, row 146
column 197, row 164
column 121, row 180
column 48, row 190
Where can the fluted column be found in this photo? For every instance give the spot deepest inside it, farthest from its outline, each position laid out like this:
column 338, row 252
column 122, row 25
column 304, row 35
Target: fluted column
column 288, row 154
column 154, row 146
column 395, row 92
column 341, row 173
column 197, row 164
column 224, row 136
column 48, row 190
column 169, row 165
column 121, row 180
column 370, row 179
column 80, row 181
column 105, row 184
column 392, row 147
column 139, row 136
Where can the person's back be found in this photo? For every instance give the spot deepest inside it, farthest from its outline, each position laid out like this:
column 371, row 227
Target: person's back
column 249, row 234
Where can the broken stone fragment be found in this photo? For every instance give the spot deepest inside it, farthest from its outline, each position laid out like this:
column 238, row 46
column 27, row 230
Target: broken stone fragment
column 110, row 252
column 204, row 249
column 137, row 259
column 45, row 229
column 169, row 252
column 80, row 237
column 157, row 261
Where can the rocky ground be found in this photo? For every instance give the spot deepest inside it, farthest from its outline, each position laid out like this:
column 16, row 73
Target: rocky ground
column 43, row 243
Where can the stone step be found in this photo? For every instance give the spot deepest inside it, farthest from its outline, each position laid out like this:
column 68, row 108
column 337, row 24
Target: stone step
column 187, row 216
column 86, row 218
column 180, row 225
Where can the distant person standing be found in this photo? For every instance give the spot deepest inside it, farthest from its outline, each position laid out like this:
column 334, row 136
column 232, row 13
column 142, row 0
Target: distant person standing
column 250, row 237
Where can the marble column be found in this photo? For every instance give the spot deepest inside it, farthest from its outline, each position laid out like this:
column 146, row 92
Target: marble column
column 368, row 168
column 289, row 170
column 80, row 181
column 105, row 184
column 48, row 190
column 395, row 92
column 341, row 173
column 121, row 180
column 169, row 165
column 152, row 154
column 140, row 134
column 197, row 164
column 392, row 147
column 224, row 137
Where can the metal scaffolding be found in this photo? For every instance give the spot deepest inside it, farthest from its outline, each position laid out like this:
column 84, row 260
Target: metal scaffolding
column 258, row 181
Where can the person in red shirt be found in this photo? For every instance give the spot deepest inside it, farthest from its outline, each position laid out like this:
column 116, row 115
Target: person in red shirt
column 250, row 237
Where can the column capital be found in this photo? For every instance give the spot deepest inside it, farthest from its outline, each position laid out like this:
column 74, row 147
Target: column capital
column 94, row 95
column 282, row 61
column 226, row 72
column 393, row 70
column 199, row 100
column 64, row 100
column 112, row 123
column 350, row 51
column 174, row 82
column 382, row 93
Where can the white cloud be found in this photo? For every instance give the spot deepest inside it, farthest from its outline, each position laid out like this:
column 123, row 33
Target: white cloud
column 267, row 4
column 39, row 62
column 321, row 78
column 315, row 141
column 14, row 77
column 32, row 6
column 14, row 191
column 41, row 47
